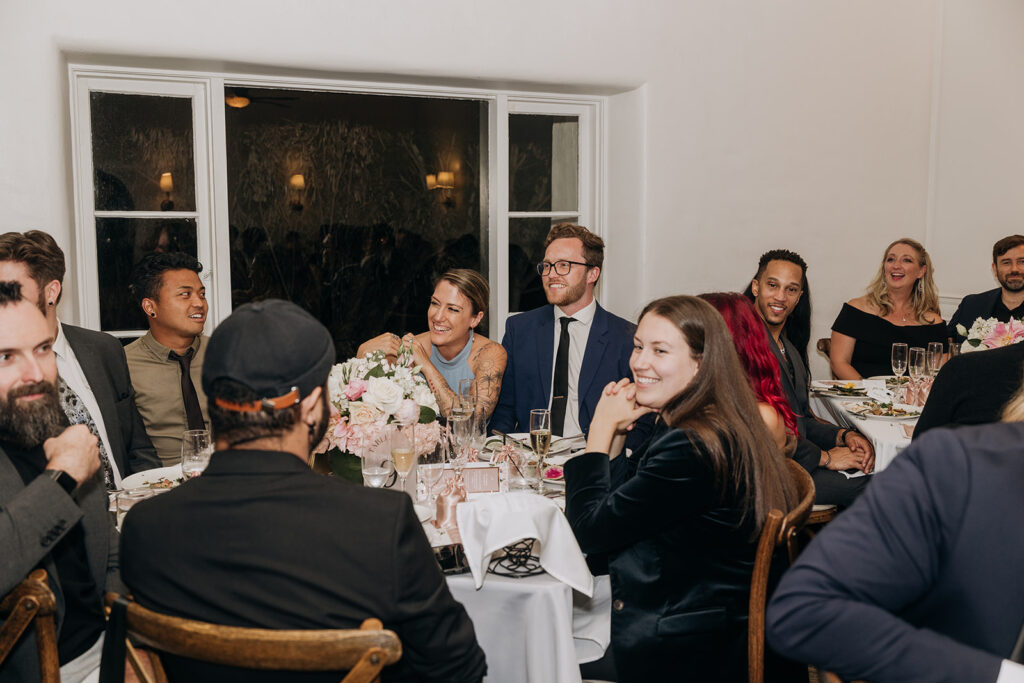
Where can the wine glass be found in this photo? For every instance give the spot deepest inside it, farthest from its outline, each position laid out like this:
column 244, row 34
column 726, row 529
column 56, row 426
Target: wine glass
column 377, row 469
column 431, row 467
column 196, row 450
column 899, row 363
column 916, row 365
column 461, row 426
column 954, row 348
column 540, row 433
column 403, row 450
column 467, row 392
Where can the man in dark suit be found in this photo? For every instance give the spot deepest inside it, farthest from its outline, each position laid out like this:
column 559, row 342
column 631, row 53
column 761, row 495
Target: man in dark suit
column 260, row 540
column 91, row 364
column 54, row 507
column 565, row 366
column 972, row 388
column 823, row 449
column 920, row 579
column 1003, row 302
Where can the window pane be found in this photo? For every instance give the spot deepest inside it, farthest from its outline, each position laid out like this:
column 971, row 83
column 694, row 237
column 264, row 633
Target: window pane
column 136, row 140
column 330, row 206
column 120, row 244
column 543, row 163
column 525, row 250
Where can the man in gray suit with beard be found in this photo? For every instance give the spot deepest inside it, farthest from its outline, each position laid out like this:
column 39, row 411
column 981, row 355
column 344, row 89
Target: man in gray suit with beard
column 95, row 387
column 53, row 505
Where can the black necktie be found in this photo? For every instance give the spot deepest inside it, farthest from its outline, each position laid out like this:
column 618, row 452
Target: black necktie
column 560, row 387
column 193, row 413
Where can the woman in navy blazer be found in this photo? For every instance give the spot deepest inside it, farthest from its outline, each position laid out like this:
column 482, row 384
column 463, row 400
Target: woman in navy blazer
column 681, row 531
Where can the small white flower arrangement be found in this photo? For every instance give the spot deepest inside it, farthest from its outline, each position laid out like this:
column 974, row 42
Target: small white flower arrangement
column 989, row 333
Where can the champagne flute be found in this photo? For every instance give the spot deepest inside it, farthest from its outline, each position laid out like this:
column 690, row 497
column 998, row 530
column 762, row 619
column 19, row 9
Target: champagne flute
column 403, row 451
column 935, row 358
column 195, row 452
column 916, row 365
column 954, row 348
column 899, row 363
column 431, row 467
column 467, row 392
column 540, row 433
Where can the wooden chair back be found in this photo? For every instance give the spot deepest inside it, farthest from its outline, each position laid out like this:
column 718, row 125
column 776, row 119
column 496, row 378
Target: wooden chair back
column 778, row 529
column 30, row 603
column 825, row 346
column 362, row 652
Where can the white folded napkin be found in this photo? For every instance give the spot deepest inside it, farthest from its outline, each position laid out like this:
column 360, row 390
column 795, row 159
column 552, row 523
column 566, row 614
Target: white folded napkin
column 876, row 389
column 492, row 522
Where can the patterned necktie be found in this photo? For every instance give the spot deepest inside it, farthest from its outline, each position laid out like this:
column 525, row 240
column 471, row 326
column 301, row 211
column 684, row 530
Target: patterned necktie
column 78, row 414
column 193, row 413
column 560, row 390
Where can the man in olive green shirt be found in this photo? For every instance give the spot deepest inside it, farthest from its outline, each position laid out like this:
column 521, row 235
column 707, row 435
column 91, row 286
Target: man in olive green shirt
column 166, row 363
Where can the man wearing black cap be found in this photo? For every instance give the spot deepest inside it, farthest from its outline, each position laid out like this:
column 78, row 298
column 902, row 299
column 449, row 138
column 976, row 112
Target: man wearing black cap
column 260, row 540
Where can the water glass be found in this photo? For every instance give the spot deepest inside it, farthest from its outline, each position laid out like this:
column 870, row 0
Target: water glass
column 954, row 348
column 128, row 498
column 377, row 469
column 196, row 450
column 468, row 392
column 431, row 468
column 525, row 475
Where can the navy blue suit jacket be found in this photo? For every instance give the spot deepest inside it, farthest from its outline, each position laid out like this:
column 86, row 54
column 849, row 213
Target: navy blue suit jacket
column 972, row 307
column 530, row 340
column 919, row 580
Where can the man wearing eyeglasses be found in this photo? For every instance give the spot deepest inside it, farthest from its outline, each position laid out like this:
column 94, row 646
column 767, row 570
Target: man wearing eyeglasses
column 562, row 355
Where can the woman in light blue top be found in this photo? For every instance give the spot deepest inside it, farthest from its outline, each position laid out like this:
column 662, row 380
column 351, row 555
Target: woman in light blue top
column 456, row 307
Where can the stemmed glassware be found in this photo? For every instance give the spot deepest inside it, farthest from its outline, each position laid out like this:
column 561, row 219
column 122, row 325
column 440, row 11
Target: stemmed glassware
column 377, row 469
column 899, row 364
column 431, row 467
column 916, row 365
column 403, row 450
column 196, row 450
column 540, row 433
column 935, row 358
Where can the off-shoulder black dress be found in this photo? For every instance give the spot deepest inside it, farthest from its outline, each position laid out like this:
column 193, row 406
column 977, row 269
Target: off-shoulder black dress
column 872, row 354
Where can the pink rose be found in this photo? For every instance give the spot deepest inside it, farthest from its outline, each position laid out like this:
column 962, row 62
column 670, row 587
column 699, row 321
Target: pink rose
column 408, row 412
column 355, row 389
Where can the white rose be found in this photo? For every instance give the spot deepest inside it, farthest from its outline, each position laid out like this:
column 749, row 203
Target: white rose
column 335, row 383
column 422, row 395
column 383, row 394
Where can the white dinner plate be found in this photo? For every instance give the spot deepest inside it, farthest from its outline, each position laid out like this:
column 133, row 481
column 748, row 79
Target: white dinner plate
column 147, row 477
column 861, row 410
column 558, row 444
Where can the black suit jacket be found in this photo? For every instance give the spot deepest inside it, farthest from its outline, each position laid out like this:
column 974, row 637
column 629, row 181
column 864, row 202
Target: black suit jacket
column 103, row 362
column 260, row 540
column 972, row 307
column 920, row 579
column 972, row 388
column 33, row 519
column 679, row 558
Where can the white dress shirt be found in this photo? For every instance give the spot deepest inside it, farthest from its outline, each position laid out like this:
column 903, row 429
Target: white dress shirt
column 69, row 368
column 579, row 332
column 1010, row 672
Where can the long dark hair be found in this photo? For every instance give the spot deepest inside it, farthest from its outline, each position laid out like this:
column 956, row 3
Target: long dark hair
column 751, row 341
column 719, row 406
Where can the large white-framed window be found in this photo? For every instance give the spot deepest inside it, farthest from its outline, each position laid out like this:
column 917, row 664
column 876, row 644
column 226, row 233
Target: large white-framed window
column 543, row 144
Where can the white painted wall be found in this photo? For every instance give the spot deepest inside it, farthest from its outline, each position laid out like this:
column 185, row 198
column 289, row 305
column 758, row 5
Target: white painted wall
column 827, row 126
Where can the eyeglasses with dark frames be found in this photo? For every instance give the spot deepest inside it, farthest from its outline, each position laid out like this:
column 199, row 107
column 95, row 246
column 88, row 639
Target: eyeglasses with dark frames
column 560, row 267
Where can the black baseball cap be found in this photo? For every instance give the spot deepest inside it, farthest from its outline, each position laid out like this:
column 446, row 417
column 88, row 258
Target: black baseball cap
column 275, row 348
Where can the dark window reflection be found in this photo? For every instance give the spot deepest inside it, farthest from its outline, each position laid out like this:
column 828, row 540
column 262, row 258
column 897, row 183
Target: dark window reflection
column 142, row 152
column 120, row 244
column 543, row 162
column 525, row 250
column 330, row 205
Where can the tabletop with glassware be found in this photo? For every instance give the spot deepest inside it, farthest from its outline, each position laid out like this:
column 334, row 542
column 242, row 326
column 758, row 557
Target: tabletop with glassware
column 884, row 408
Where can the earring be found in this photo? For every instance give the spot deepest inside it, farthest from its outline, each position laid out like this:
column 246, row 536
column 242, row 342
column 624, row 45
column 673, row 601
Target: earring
column 49, row 303
column 152, row 314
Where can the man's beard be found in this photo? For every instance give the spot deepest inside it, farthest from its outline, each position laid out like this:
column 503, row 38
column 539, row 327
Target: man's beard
column 319, row 428
column 1016, row 286
column 28, row 424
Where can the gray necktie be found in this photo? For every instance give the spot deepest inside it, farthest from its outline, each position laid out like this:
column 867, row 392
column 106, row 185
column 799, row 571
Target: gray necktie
column 78, row 414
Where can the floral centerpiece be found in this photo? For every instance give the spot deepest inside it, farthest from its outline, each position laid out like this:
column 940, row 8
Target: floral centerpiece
column 989, row 333
column 367, row 396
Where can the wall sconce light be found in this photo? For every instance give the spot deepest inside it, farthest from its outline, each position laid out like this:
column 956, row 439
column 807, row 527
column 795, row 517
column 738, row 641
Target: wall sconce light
column 297, row 185
column 444, row 181
column 166, row 186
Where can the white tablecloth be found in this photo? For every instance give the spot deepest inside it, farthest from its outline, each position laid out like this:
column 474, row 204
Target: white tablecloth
column 888, row 438
column 536, row 629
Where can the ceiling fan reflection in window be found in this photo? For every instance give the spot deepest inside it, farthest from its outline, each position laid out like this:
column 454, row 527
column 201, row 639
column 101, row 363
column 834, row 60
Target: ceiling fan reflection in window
column 240, row 98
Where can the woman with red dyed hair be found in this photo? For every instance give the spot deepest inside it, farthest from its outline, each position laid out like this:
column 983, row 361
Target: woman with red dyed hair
column 751, row 342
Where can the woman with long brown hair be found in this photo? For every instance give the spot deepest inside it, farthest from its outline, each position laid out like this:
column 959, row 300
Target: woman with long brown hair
column 680, row 532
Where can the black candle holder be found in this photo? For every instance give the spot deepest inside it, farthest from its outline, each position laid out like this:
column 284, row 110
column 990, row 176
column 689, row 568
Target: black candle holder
column 517, row 562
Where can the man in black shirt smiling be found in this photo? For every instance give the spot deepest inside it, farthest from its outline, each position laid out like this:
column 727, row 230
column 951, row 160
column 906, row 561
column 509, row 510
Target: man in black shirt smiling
column 52, row 501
